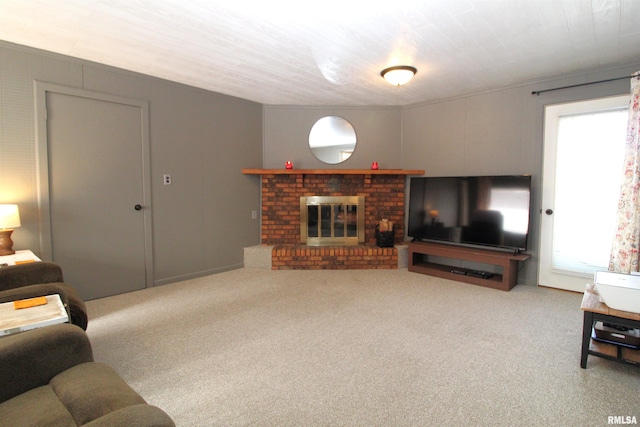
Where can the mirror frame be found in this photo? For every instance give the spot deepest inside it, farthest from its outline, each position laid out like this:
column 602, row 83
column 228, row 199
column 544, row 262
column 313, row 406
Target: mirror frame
column 330, row 140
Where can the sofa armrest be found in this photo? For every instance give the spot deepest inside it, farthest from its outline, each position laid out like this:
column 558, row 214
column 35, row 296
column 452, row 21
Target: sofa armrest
column 30, row 359
column 137, row 415
column 15, row 276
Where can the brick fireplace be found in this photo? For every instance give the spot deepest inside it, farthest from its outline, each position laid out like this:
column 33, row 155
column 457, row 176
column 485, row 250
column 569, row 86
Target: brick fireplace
column 383, row 192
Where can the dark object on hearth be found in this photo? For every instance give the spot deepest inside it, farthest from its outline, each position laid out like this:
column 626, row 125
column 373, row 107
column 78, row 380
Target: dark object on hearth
column 384, row 239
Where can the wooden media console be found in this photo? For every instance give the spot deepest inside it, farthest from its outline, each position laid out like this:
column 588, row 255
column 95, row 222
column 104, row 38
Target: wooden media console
column 419, row 263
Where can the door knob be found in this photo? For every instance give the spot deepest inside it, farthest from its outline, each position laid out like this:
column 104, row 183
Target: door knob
column 138, row 207
column 549, row 211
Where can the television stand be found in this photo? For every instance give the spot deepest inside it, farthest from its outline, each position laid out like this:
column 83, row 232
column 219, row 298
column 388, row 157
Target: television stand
column 508, row 261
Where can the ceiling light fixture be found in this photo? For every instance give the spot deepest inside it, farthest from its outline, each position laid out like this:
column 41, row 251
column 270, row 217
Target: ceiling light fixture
column 399, row 74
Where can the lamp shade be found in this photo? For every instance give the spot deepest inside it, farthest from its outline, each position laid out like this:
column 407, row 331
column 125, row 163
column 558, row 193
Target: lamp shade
column 398, row 75
column 9, row 216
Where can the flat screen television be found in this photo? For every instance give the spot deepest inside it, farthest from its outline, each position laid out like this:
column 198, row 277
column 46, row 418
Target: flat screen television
column 488, row 211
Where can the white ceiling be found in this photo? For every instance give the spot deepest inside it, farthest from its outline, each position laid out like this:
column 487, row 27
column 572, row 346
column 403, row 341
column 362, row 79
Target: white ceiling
column 331, row 52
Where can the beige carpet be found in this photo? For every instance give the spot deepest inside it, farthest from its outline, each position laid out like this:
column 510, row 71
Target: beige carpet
column 358, row 348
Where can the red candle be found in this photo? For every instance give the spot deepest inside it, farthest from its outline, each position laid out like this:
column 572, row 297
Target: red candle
column 374, row 166
column 288, row 164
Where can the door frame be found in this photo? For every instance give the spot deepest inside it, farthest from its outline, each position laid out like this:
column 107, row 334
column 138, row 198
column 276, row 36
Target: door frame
column 42, row 165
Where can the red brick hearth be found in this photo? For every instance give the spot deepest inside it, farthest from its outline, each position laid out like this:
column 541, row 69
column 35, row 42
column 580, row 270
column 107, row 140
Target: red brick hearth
column 281, row 192
column 333, row 257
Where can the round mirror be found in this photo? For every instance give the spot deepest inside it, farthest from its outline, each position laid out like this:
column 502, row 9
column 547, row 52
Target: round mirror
column 332, row 140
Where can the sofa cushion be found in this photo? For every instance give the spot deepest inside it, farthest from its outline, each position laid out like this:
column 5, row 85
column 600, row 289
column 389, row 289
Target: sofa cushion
column 37, row 407
column 91, row 390
column 137, row 415
column 31, row 359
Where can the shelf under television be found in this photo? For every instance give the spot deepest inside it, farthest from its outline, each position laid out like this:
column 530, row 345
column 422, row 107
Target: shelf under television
column 505, row 280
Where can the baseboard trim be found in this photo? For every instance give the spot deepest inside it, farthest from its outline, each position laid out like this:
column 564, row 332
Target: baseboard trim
column 196, row 275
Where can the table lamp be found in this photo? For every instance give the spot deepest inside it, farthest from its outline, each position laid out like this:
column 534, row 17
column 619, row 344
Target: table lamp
column 9, row 219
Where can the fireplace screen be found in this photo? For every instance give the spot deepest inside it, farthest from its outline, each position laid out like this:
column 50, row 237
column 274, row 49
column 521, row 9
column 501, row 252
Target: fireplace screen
column 332, row 220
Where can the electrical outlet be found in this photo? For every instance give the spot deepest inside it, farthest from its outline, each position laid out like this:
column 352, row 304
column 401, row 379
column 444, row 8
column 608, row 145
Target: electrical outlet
column 166, row 179
column 254, row 214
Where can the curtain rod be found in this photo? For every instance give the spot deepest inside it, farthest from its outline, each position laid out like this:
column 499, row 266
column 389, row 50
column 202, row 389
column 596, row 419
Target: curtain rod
column 538, row 92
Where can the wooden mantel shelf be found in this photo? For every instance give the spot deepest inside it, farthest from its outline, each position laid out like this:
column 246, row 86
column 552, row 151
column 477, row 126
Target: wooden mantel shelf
column 331, row 172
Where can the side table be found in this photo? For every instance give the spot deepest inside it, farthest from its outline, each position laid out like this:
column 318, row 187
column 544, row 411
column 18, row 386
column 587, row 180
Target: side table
column 595, row 310
column 20, row 257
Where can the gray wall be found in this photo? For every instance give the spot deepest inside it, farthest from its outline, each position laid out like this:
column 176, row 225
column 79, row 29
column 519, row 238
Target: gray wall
column 498, row 132
column 378, row 133
column 202, row 222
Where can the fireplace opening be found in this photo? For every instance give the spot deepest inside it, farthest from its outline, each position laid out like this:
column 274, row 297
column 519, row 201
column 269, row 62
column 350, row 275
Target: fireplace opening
column 331, row 220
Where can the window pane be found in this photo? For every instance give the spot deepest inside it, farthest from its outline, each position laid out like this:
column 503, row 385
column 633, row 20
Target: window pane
column 352, row 221
column 339, row 218
column 590, row 155
column 312, row 221
column 325, row 215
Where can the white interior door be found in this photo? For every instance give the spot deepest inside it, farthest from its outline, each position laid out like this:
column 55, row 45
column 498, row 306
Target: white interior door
column 583, row 160
column 96, row 189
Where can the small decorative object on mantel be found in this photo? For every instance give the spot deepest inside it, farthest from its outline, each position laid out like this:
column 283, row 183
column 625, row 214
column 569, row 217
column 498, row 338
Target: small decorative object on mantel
column 384, row 234
column 288, row 164
column 374, row 166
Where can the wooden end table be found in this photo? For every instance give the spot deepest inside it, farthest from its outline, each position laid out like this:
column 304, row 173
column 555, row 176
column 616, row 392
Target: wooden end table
column 595, row 310
column 20, row 257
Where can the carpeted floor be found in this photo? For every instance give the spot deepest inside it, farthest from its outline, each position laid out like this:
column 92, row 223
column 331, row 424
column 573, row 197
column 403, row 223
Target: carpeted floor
column 358, row 348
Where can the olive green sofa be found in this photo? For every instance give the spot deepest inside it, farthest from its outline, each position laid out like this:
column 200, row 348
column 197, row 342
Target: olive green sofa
column 49, row 378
